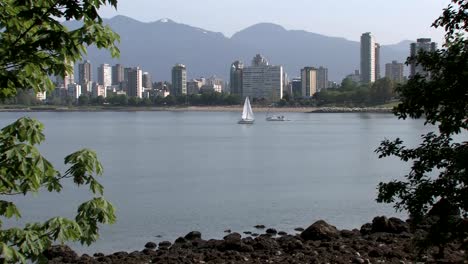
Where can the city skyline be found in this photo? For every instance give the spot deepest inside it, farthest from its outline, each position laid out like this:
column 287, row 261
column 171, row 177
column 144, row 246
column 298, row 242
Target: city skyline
column 349, row 19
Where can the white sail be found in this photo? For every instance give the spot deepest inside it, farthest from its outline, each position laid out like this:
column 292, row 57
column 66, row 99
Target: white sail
column 250, row 115
column 247, row 113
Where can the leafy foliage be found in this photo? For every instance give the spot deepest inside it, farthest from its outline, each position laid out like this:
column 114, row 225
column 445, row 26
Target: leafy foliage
column 33, row 46
column 439, row 164
column 23, row 170
column 351, row 93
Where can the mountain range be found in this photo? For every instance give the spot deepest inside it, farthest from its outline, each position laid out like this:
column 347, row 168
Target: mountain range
column 157, row 46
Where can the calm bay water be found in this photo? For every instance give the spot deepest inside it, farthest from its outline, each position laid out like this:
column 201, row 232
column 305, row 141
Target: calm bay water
column 169, row 173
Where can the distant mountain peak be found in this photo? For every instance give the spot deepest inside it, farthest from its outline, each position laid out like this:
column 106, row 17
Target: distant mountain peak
column 165, row 20
column 266, row 26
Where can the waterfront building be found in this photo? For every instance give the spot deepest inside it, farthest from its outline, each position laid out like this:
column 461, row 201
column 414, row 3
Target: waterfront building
column 74, row 90
column 215, row 83
column 147, row 82
column 99, row 90
column 84, row 73
column 135, row 82
column 67, row 79
column 193, row 86
column 179, row 80
column 322, row 78
column 262, row 80
column 296, row 87
column 308, row 81
column 117, row 74
column 377, row 61
column 41, row 96
column 105, row 75
column 235, row 81
column 355, row 77
column 368, row 58
column 421, row 44
column 394, row 71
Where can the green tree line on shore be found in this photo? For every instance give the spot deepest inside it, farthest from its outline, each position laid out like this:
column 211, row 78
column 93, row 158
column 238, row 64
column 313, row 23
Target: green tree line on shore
column 349, row 93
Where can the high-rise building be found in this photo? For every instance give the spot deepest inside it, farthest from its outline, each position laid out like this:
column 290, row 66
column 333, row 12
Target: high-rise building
column 235, row 81
column 394, row 71
column 296, row 87
column 117, row 74
column 322, row 78
column 262, row 80
column 147, row 82
column 68, row 78
column 422, row 44
column 308, row 81
column 135, row 82
column 377, row 61
column 105, row 75
column 179, row 80
column 85, row 76
column 367, row 58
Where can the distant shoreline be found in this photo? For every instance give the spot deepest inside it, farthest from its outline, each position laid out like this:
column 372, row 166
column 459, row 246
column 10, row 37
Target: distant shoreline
column 202, row 109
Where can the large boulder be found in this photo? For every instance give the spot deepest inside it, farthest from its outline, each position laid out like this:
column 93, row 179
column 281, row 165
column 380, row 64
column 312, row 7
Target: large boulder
column 193, row 235
column 392, row 225
column 63, row 252
column 320, row 230
column 151, row 245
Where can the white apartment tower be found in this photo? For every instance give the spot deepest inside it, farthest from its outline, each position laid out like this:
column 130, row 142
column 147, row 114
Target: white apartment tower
column 105, row 75
column 262, row 80
column 368, row 48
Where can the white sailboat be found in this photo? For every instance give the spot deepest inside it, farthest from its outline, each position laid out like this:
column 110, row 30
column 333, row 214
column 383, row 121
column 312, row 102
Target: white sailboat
column 247, row 114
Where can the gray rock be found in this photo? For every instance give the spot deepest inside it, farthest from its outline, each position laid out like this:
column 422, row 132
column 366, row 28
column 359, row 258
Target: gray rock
column 320, row 230
column 193, row 235
column 150, row 245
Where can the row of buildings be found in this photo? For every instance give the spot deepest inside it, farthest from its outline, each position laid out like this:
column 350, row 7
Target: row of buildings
column 259, row 80
column 370, row 60
column 131, row 81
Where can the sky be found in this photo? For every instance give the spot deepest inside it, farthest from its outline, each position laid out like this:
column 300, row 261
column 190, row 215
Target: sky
column 390, row 21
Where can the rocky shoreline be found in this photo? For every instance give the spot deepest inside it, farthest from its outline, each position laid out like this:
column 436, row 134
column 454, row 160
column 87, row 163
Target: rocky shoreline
column 382, row 241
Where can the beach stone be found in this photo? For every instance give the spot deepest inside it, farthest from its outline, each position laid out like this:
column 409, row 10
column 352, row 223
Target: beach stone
column 193, row 235
column 61, row 251
column 282, row 233
column 392, row 225
column 299, row 229
column 366, row 229
column 233, row 236
column 320, row 230
column 227, row 231
column 164, row 244
column 271, row 231
column 150, row 245
column 259, row 226
column 180, row 240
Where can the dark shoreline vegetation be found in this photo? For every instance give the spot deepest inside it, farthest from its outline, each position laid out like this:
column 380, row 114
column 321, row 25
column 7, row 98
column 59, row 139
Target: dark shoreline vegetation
column 213, row 108
column 384, row 240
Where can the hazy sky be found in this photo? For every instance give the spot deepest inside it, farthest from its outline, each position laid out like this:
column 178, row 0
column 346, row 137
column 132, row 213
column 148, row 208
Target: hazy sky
column 389, row 20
